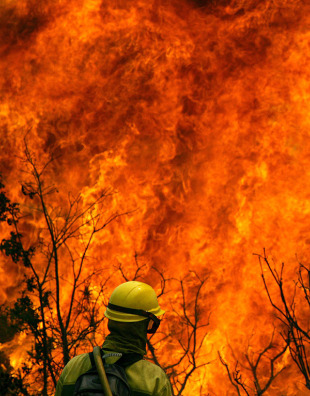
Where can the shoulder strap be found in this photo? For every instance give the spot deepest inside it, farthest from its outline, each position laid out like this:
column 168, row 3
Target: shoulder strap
column 92, row 360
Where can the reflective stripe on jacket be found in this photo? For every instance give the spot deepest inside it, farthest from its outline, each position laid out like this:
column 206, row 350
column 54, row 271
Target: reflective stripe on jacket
column 144, row 378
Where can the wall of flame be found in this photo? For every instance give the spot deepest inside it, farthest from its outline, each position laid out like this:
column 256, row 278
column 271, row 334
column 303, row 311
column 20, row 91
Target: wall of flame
column 195, row 112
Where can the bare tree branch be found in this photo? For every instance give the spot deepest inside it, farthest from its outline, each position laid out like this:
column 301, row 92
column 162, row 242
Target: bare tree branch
column 297, row 329
column 57, row 330
column 254, row 365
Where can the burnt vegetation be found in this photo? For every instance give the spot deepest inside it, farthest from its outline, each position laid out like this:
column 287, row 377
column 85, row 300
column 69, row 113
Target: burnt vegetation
column 59, row 332
column 260, row 368
column 292, row 309
column 290, row 301
column 185, row 328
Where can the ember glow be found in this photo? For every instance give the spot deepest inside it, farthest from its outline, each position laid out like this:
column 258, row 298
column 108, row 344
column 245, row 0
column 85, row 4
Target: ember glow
column 196, row 114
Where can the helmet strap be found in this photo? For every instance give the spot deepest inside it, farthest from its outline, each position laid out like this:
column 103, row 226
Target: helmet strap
column 139, row 312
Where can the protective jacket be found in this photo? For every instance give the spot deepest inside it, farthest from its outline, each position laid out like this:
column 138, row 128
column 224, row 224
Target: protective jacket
column 144, row 378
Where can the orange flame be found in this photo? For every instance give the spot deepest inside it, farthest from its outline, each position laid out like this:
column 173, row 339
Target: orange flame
column 196, row 114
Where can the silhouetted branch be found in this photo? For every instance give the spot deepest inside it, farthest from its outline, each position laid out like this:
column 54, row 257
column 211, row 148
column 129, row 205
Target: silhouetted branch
column 297, row 330
column 68, row 231
column 254, row 366
column 191, row 334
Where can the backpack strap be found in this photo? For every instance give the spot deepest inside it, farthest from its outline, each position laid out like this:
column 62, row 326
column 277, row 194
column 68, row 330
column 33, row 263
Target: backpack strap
column 92, row 360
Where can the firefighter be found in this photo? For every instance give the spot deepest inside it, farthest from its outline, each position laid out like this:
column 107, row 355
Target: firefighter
column 133, row 312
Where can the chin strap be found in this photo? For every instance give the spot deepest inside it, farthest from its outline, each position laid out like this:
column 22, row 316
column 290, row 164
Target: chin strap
column 139, row 312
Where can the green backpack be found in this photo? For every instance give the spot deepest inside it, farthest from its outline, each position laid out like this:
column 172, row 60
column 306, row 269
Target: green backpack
column 88, row 384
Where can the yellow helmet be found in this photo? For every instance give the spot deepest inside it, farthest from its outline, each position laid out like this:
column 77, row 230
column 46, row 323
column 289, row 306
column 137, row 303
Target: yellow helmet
column 133, row 302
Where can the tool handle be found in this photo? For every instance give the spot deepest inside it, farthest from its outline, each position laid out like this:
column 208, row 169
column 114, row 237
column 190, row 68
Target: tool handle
column 101, row 372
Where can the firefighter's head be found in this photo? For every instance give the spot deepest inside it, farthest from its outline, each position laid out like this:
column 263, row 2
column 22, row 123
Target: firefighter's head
column 133, row 302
